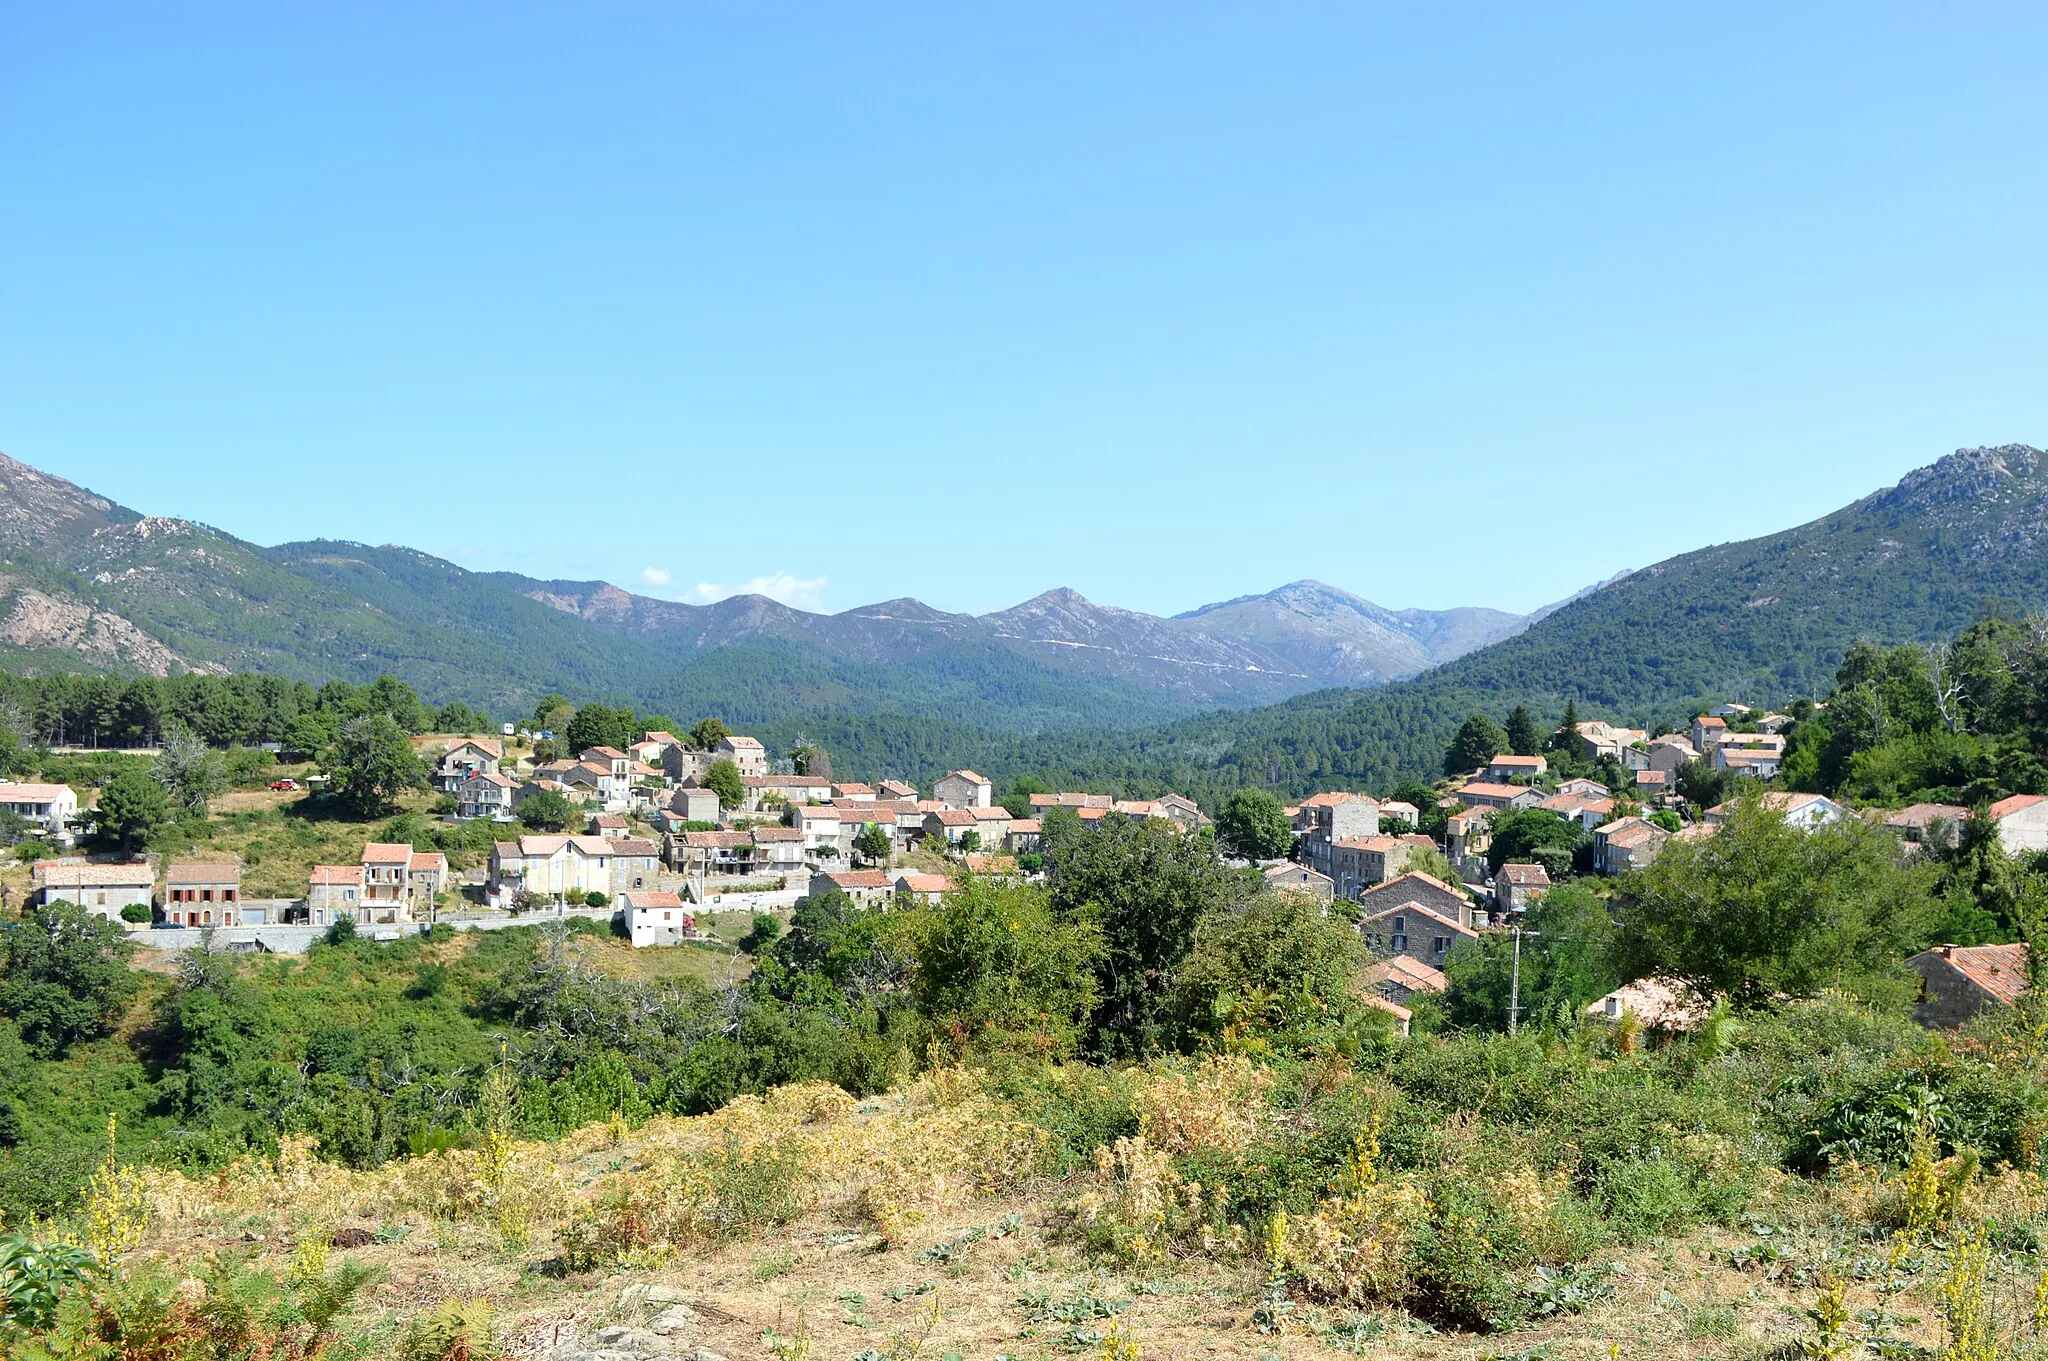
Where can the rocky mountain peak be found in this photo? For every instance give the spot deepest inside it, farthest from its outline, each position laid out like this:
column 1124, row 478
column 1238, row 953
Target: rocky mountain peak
column 1981, row 474
column 38, row 509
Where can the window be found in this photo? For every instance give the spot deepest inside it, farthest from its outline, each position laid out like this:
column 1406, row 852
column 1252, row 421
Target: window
column 1441, row 944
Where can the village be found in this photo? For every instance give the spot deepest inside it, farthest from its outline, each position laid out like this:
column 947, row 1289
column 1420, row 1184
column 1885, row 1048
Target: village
column 667, row 825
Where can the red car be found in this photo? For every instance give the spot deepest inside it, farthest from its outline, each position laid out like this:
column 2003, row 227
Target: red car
column 284, row 784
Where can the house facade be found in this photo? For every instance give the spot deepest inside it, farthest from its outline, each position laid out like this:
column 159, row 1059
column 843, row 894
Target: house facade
column 52, row 809
column 963, row 789
column 656, row 918
column 1958, row 981
column 102, row 890
column 203, row 894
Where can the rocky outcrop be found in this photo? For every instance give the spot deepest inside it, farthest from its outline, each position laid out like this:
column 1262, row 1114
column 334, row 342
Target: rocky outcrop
column 37, row 620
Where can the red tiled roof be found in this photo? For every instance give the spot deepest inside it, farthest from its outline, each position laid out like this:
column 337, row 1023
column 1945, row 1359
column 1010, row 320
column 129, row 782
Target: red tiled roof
column 204, row 872
column 967, row 775
column 2000, row 970
column 57, row 874
column 924, row 883
column 954, row 817
column 646, row 898
column 1526, row 875
column 1424, row 910
column 428, row 860
column 1411, row 974
column 2017, row 803
column 336, row 874
column 847, row 879
column 387, row 853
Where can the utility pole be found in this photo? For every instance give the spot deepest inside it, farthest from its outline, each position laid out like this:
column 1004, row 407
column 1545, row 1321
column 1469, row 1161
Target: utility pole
column 1515, row 981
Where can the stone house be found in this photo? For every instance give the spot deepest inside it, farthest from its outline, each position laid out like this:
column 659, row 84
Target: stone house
column 948, row 827
column 1958, row 981
column 746, row 753
column 867, row 888
column 1418, row 887
column 1326, row 819
column 680, row 763
column 1626, row 844
column 1516, row 886
column 1298, row 879
column 963, row 789
column 1400, row 977
column 1397, row 810
column 922, row 888
column 703, row 855
column 694, row 803
column 102, row 890
column 203, row 893
column 1409, row 929
column 335, row 893
column 1928, row 823
column 1671, row 751
column 1359, row 862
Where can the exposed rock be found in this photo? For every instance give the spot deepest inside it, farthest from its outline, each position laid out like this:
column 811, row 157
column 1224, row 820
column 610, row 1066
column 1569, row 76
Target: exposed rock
column 39, row 620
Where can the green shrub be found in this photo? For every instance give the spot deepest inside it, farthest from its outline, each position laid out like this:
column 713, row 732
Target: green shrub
column 136, row 912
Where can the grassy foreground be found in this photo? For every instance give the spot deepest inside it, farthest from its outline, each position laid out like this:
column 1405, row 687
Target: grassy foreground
column 1557, row 1196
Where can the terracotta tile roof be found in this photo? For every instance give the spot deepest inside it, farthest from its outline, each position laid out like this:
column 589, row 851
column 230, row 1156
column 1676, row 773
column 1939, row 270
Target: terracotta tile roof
column 1526, row 876
column 1518, row 762
column 1923, row 815
column 58, row 874
column 994, row 813
column 492, row 778
column 717, row 840
column 764, row 835
column 953, row 817
column 1411, row 974
column 1393, row 1009
column 647, row 898
column 1660, row 1002
column 746, row 743
column 1709, row 721
column 1334, row 797
column 633, row 845
column 2017, row 803
column 1480, row 789
column 923, row 883
column 1379, row 844
column 1026, row 826
column 607, row 753
column 991, row 862
column 848, row 790
column 851, row 879
column 2000, row 970
column 428, row 860
column 966, row 775
column 897, row 788
column 325, row 875
column 1421, row 876
column 204, row 872
column 387, row 853
column 31, row 792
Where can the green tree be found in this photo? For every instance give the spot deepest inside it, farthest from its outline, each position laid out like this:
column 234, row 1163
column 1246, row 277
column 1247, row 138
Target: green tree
column 1565, row 948
column 1479, row 740
column 1252, row 825
column 995, row 969
column 1278, row 972
column 307, row 735
column 546, row 810
column 1764, row 909
column 371, row 764
column 1520, row 833
column 723, row 779
column 131, row 807
column 1522, row 736
column 1146, row 885
column 1566, row 738
column 63, row 977
column 873, row 843
column 762, row 932
column 600, row 725
column 1702, row 785
column 708, row 733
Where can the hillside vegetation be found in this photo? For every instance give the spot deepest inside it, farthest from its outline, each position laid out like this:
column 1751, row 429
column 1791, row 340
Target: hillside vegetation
column 1147, row 1107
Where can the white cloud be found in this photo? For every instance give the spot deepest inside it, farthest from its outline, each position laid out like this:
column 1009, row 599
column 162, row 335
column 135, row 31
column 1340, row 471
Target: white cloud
column 654, row 576
column 804, row 593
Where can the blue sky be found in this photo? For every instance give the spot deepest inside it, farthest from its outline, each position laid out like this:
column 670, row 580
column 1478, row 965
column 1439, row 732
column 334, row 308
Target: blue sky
column 1164, row 302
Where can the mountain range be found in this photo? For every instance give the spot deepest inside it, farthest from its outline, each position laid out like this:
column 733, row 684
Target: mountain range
column 86, row 583
column 1761, row 621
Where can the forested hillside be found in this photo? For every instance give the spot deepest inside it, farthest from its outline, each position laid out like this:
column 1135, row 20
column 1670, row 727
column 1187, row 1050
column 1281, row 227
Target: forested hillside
column 1762, row 621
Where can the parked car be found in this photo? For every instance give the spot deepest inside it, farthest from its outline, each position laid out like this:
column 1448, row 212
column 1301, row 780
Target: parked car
column 286, row 785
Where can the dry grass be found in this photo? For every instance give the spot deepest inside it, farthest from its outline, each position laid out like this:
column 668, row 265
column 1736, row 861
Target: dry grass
column 849, row 1221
